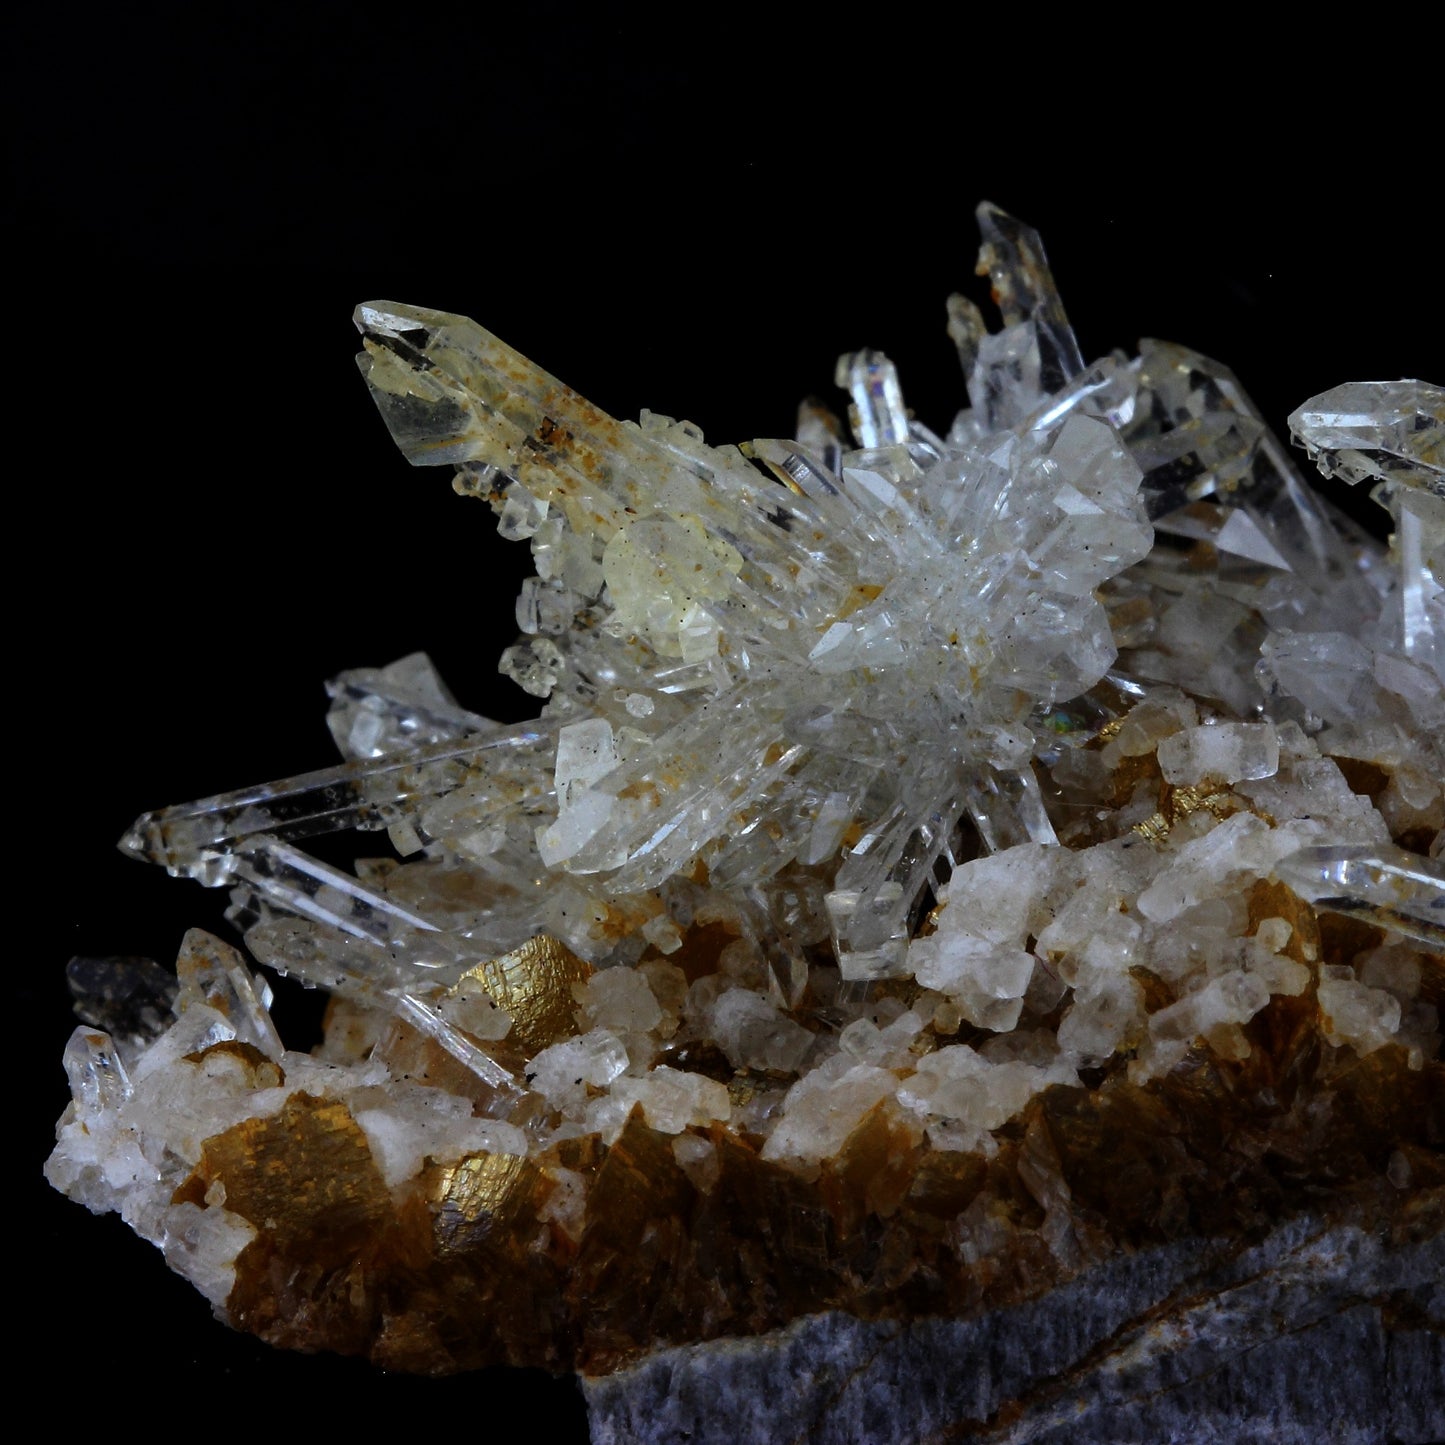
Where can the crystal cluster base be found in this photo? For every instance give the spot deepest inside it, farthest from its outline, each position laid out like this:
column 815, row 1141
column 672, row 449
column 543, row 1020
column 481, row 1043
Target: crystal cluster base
column 942, row 867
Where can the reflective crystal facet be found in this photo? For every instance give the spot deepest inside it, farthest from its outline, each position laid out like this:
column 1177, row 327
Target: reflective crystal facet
column 1400, row 891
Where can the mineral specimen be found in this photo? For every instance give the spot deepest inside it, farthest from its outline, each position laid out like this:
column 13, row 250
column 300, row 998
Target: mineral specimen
column 942, row 866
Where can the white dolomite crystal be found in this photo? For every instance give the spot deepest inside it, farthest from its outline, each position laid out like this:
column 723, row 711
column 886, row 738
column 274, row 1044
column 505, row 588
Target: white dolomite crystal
column 1226, row 753
column 976, row 732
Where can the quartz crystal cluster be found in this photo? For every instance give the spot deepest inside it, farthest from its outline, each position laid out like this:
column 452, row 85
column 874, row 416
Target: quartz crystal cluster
column 939, row 859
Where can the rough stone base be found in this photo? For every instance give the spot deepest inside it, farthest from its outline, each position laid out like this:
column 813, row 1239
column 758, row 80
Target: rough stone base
column 1316, row 1334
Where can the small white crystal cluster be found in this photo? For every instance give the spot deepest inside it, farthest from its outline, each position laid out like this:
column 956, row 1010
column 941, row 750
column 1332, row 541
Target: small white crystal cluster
column 953, row 741
column 142, row 1110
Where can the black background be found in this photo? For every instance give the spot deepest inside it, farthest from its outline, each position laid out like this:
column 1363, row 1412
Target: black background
column 208, row 518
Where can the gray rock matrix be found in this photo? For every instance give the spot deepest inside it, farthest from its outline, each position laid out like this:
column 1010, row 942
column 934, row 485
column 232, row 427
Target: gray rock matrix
column 1315, row 1334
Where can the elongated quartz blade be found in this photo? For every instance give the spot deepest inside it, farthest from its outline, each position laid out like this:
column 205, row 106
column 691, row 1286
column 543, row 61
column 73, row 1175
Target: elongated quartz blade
column 1393, row 433
column 1012, row 257
column 1382, row 884
column 197, row 839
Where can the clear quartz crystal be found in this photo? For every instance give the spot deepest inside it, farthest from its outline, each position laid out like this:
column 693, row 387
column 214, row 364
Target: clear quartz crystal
column 1012, row 257
column 396, row 709
column 878, row 415
column 215, row 974
column 1393, row 433
column 1377, row 430
column 98, row 1080
column 1383, row 884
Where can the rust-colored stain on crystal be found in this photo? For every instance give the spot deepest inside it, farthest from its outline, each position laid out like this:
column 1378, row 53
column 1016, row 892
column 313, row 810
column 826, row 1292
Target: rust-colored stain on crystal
column 304, row 1177
column 258, row 1071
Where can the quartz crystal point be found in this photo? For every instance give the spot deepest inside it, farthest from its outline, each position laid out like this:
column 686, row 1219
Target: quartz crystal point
column 1393, row 432
column 942, row 864
column 1398, row 890
column 400, row 708
column 1013, row 259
